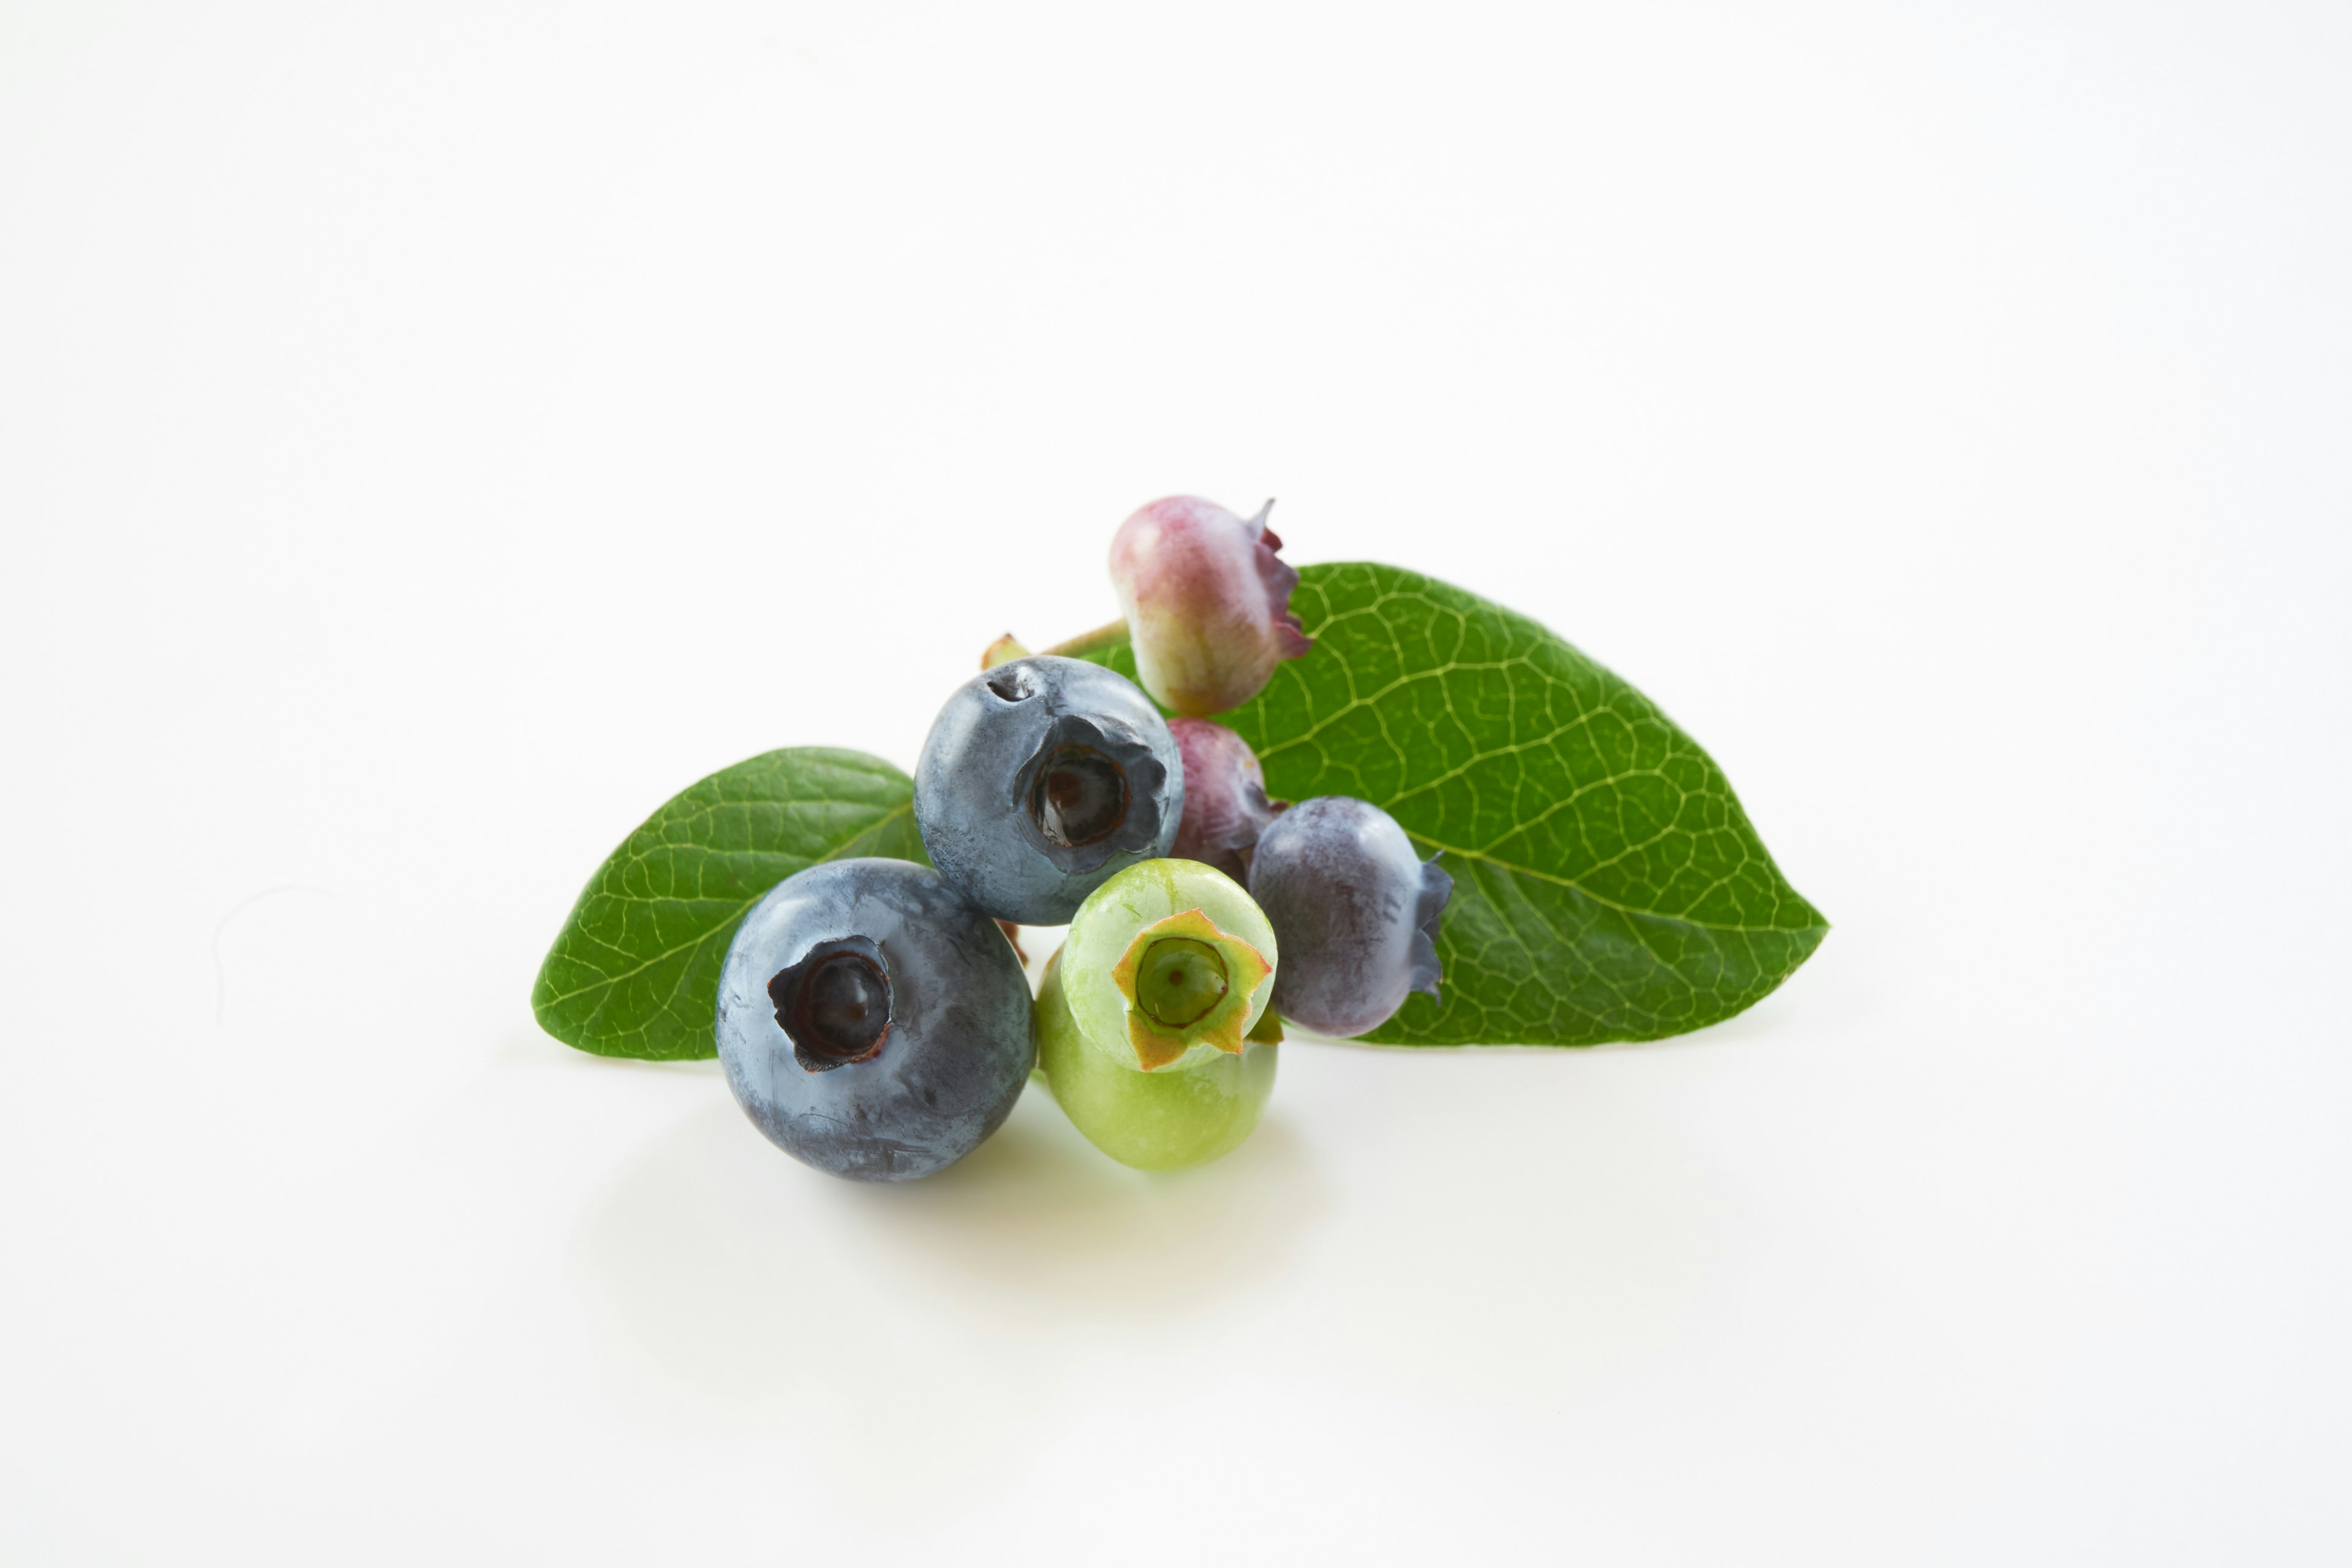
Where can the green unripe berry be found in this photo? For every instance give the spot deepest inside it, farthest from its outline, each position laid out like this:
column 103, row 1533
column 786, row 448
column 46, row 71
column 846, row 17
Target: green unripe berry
column 1164, row 1120
column 1151, row 1026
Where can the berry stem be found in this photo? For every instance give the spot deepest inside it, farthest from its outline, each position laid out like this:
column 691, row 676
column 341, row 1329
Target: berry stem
column 1094, row 641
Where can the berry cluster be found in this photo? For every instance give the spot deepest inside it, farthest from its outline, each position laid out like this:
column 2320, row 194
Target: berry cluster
column 874, row 1018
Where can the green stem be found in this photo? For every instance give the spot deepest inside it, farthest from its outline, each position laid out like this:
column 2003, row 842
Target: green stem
column 1094, row 641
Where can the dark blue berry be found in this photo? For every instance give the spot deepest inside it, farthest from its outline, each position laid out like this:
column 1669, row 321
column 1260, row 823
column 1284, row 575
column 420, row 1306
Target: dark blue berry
column 1040, row 781
column 871, row 1022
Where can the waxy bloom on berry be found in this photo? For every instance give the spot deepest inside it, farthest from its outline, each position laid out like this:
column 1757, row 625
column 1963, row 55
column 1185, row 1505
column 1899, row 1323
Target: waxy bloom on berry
column 1207, row 602
column 1358, row 912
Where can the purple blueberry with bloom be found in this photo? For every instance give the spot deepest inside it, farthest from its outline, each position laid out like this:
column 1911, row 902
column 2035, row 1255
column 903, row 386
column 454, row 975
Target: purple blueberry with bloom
column 1356, row 910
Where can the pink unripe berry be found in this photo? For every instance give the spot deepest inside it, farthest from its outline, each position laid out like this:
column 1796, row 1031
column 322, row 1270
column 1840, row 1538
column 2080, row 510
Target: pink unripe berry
column 1207, row 602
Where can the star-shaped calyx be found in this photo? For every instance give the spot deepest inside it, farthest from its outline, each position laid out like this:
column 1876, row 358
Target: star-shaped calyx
column 1187, row 981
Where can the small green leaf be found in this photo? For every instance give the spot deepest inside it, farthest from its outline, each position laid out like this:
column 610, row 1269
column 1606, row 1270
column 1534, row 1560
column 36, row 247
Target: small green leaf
column 634, row 971
column 1607, row 886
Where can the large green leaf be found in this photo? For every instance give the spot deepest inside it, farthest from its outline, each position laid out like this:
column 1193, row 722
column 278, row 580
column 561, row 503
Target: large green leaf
column 1607, row 884
column 634, row 971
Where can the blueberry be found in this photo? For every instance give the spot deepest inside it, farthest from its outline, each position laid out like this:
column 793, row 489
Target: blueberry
column 871, row 1022
column 1225, row 806
column 1356, row 911
column 1150, row 1019
column 1207, row 602
column 1041, row 779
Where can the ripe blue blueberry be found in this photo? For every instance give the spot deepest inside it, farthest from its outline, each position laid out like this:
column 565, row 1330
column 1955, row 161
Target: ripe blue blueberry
column 871, row 1022
column 1041, row 779
column 1356, row 910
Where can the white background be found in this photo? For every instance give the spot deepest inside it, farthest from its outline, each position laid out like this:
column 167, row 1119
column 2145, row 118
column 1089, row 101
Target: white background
column 430, row 435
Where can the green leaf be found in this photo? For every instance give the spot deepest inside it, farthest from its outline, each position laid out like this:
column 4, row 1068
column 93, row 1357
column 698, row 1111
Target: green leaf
column 1607, row 886
column 634, row 971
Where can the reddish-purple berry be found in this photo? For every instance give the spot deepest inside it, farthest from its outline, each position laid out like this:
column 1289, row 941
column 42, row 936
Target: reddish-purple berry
column 1225, row 806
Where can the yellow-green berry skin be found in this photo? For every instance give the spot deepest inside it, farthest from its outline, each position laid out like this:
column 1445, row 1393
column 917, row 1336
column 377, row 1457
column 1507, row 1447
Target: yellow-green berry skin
column 1116, row 913
column 1169, row 1119
column 1154, row 1067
